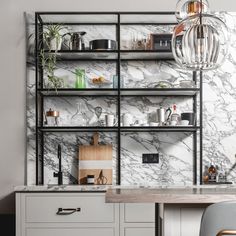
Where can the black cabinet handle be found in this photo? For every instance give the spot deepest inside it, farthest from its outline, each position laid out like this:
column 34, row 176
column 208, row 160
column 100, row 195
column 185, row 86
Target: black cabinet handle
column 67, row 211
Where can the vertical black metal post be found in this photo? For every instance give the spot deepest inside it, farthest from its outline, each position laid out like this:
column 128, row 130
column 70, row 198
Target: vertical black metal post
column 158, row 220
column 36, row 98
column 195, row 139
column 41, row 102
column 118, row 102
column 201, row 124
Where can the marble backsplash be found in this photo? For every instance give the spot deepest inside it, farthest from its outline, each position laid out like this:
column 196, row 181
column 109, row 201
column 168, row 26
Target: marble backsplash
column 175, row 149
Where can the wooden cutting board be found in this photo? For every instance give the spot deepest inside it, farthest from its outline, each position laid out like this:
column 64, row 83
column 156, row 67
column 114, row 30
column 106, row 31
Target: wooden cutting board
column 95, row 160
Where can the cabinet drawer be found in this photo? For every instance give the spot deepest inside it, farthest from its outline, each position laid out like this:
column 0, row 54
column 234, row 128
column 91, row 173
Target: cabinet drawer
column 139, row 232
column 139, row 212
column 70, row 231
column 43, row 208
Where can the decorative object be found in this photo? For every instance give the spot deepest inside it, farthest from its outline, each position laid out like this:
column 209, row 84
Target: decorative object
column 103, row 44
column 51, row 118
column 190, row 116
column 199, row 42
column 75, row 41
column 80, row 81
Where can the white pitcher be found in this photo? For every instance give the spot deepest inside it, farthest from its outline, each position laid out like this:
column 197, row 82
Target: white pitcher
column 127, row 119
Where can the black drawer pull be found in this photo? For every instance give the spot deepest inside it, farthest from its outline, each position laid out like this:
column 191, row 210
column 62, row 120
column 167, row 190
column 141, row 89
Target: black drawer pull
column 67, row 211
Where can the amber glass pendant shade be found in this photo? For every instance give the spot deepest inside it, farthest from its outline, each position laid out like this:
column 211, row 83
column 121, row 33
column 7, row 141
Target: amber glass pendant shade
column 185, row 8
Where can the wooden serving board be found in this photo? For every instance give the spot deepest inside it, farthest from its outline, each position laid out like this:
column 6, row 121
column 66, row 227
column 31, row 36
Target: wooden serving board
column 93, row 159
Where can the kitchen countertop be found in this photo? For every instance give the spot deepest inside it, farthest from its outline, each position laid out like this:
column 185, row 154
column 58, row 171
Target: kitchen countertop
column 62, row 188
column 172, row 195
column 152, row 194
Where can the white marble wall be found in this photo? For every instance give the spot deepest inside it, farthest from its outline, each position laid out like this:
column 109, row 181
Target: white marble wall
column 176, row 149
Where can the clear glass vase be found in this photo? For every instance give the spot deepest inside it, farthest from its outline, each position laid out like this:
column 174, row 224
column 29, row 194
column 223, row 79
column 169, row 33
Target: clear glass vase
column 79, row 118
column 80, row 81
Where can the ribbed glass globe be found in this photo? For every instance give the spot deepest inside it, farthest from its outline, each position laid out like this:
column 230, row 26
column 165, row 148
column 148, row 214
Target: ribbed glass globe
column 186, row 8
column 200, row 45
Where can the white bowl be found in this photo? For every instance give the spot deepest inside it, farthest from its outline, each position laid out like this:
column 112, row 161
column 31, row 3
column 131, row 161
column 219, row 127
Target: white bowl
column 184, row 122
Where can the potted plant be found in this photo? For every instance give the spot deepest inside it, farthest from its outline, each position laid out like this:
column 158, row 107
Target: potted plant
column 52, row 36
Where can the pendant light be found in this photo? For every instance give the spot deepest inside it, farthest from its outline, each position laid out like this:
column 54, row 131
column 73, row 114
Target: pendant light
column 199, row 41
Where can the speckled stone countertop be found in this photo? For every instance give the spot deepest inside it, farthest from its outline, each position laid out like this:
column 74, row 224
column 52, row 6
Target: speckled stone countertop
column 172, row 195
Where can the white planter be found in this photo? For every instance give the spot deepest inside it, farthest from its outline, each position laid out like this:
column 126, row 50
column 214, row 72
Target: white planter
column 55, row 44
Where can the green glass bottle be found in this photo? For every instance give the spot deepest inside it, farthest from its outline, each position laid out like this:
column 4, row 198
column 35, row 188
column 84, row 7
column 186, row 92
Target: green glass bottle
column 80, row 81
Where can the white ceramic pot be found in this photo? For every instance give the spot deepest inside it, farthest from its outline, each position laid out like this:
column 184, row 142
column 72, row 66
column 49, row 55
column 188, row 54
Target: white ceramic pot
column 55, row 44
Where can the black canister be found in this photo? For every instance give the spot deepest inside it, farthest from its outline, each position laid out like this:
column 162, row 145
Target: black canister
column 190, row 116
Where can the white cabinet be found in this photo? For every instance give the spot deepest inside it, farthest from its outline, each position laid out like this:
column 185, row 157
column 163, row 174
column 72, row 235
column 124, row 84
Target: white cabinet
column 87, row 214
column 137, row 219
column 88, row 209
column 68, row 214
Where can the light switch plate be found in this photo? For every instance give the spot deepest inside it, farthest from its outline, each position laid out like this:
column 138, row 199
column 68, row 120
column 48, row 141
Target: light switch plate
column 150, row 158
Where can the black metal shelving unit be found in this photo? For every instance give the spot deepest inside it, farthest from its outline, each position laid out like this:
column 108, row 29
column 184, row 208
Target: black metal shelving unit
column 116, row 19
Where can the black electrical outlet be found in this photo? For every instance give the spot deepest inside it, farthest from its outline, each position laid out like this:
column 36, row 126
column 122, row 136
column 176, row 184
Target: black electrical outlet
column 151, row 158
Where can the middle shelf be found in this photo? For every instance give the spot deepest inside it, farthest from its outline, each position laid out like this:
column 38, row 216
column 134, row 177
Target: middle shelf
column 123, row 92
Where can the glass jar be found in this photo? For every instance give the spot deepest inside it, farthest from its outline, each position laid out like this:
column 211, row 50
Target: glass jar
column 80, row 81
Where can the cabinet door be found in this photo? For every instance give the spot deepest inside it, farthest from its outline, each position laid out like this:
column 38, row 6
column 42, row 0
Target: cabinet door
column 182, row 221
column 139, row 212
column 43, row 208
column 70, row 232
column 137, row 219
column 139, row 231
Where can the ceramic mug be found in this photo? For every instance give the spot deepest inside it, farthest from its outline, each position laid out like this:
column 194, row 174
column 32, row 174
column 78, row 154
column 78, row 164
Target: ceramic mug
column 111, row 120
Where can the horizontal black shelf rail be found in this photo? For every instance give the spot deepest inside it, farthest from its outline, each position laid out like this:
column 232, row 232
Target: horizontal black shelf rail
column 105, row 13
column 160, row 129
column 123, row 92
column 111, row 55
column 80, row 23
column 63, row 92
column 81, row 51
column 122, row 129
column 159, row 91
column 78, row 129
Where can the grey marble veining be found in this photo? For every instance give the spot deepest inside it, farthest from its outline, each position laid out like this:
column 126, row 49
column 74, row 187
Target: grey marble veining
column 176, row 159
column 70, row 147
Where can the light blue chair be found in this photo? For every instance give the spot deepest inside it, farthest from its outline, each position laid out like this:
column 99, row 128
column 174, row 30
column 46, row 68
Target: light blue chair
column 219, row 219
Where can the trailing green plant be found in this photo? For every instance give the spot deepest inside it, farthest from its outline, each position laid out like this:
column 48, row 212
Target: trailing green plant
column 49, row 60
column 48, row 63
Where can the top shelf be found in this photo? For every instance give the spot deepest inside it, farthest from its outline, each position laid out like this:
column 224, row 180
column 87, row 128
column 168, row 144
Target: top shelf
column 65, row 55
column 72, row 18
